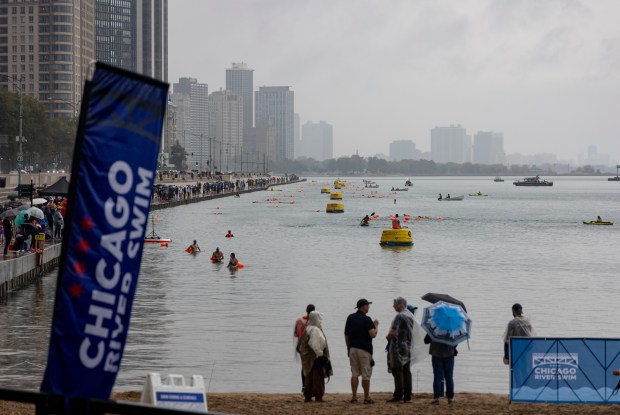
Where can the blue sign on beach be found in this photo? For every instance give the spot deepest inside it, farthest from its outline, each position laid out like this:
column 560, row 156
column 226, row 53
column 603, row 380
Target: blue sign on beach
column 109, row 199
column 564, row 370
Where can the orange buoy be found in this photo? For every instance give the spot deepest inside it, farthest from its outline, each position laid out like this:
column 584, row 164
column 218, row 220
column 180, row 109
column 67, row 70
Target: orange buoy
column 417, row 218
column 439, row 218
column 164, row 244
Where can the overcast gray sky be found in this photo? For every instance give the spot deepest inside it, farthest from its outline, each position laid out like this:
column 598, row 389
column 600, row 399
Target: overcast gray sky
column 546, row 73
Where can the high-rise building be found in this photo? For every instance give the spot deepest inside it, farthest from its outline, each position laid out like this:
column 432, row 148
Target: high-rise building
column 240, row 82
column 116, row 33
column 317, row 141
column 275, row 106
column 133, row 35
column 196, row 132
column 296, row 135
column 450, row 144
column 45, row 50
column 183, row 117
column 489, row 148
column 402, row 150
column 225, row 129
column 153, row 38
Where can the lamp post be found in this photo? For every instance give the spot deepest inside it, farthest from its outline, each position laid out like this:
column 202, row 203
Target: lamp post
column 75, row 106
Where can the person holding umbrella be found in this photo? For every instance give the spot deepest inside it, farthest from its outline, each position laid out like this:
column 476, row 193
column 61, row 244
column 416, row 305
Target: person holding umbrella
column 519, row 326
column 447, row 324
column 443, row 369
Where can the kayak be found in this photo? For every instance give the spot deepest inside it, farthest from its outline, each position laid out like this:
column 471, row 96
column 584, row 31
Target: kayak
column 593, row 222
column 156, row 240
column 364, row 224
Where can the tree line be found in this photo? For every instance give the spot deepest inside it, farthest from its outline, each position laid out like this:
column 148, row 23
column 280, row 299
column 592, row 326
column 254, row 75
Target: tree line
column 49, row 141
column 356, row 165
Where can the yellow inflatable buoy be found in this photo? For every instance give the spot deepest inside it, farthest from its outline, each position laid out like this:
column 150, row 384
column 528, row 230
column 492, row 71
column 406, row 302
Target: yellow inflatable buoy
column 326, row 190
column 337, row 207
column 335, row 196
column 396, row 237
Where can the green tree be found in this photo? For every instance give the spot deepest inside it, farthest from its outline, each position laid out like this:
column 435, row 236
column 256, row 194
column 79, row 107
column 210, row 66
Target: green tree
column 177, row 156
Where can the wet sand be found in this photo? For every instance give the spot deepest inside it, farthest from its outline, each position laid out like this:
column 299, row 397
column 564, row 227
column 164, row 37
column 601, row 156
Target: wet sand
column 338, row 404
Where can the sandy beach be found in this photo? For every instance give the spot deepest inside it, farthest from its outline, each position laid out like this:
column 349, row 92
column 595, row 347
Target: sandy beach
column 338, row 404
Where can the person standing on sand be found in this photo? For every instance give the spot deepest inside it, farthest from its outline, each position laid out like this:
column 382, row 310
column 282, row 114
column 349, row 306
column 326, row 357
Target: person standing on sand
column 359, row 331
column 443, row 369
column 300, row 327
column 314, row 358
column 400, row 351
column 519, row 326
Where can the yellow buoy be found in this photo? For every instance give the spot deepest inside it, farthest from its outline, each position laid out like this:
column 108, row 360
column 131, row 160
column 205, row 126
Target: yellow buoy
column 326, row 190
column 337, row 207
column 335, row 196
column 396, row 237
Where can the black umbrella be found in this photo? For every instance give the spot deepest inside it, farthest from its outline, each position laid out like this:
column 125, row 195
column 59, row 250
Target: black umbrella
column 435, row 297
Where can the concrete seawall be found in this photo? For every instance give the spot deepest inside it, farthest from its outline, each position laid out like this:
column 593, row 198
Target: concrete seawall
column 174, row 203
column 22, row 270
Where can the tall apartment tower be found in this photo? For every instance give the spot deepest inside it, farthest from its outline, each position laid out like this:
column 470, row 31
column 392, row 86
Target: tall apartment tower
column 152, row 37
column 489, row 148
column 133, row 35
column 240, row 82
column 116, row 33
column 225, row 130
column 45, row 50
column 183, row 117
column 317, row 141
column 450, row 144
column 196, row 131
column 297, row 135
column 402, row 150
column 275, row 106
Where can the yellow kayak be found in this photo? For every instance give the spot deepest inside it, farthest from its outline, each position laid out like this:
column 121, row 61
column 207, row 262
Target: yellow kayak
column 594, row 222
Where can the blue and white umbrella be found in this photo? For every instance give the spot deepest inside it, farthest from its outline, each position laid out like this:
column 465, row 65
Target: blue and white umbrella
column 446, row 323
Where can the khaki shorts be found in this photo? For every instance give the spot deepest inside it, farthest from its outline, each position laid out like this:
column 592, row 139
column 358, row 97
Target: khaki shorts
column 360, row 363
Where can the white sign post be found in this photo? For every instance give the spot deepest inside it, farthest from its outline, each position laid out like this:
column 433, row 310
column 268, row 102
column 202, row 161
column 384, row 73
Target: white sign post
column 172, row 392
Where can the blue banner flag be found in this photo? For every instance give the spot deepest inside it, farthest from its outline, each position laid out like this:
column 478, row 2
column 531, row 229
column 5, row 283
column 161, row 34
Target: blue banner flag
column 564, row 370
column 114, row 167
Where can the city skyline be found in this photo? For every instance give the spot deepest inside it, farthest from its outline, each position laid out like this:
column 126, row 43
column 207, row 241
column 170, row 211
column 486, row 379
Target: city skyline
column 543, row 74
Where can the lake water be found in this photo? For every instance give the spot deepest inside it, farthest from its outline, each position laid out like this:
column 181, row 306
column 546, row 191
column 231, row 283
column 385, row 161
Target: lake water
column 519, row 244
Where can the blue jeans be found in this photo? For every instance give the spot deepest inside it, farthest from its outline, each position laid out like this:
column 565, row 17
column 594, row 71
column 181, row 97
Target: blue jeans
column 443, row 371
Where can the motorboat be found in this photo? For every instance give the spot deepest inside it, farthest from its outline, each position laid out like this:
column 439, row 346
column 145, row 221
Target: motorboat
column 498, row 179
column 532, row 181
column 408, row 183
column 399, row 190
column 617, row 178
column 477, row 194
column 450, row 198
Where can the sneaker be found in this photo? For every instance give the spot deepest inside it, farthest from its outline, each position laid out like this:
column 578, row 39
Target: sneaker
column 435, row 401
column 451, row 401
